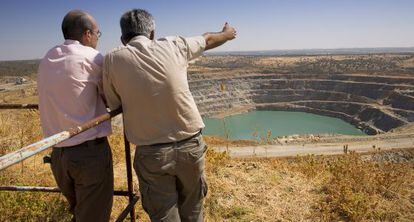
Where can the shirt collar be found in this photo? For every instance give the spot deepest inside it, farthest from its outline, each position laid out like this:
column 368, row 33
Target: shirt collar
column 70, row 42
column 139, row 38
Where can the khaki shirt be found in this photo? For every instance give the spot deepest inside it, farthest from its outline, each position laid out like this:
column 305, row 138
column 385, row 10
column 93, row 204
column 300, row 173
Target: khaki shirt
column 148, row 78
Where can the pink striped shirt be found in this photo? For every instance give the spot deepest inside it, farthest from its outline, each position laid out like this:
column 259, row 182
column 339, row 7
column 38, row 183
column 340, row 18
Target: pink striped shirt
column 69, row 85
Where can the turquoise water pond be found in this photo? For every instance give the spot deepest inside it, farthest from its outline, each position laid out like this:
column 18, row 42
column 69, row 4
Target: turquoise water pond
column 257, row 124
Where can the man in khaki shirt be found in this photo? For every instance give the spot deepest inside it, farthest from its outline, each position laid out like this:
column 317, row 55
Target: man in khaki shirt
column 148, row 78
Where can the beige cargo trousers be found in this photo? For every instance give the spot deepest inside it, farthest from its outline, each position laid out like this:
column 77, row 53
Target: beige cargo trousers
column 171, row 179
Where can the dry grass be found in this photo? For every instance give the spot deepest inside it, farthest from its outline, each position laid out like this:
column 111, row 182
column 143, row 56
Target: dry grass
column 354, row 189
column 17, row 129
column 339, row 188
column 255, row 190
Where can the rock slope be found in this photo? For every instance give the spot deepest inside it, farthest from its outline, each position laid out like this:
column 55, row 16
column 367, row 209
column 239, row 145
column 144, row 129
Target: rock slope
column 375, row 104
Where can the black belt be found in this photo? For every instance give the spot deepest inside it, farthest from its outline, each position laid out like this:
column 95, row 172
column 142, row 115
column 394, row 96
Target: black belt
column 177, row 142
column 86, row 143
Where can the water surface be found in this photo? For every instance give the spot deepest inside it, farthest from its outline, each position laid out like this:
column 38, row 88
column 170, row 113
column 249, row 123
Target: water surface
column 257, row 124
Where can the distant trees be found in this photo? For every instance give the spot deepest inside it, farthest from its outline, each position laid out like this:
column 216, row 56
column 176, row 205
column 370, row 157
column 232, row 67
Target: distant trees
column 18, row 68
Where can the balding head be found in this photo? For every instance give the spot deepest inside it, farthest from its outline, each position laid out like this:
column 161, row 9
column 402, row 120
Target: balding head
column 76, row 23
column 80, row 26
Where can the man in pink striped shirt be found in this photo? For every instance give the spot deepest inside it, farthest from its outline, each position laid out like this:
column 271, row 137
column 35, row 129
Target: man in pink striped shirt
column 69, row 86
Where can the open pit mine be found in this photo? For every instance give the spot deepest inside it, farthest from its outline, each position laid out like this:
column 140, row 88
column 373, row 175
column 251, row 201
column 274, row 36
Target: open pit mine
column 375, row 104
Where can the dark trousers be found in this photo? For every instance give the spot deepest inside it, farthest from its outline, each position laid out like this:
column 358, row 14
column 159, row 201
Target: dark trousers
column 84, row 173
column 171, row 180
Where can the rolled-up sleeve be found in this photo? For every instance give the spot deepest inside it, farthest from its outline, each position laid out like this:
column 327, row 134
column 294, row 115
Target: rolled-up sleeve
column 193, row 46
column 112, row 98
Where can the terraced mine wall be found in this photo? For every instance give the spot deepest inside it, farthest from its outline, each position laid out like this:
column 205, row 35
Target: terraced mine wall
column 375, row 104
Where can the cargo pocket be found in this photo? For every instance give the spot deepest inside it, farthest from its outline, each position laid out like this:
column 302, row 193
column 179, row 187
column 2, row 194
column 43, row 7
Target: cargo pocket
column 198, row 151
column 150, row 163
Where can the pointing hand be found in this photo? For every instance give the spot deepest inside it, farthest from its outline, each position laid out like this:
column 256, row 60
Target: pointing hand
column 229, row 31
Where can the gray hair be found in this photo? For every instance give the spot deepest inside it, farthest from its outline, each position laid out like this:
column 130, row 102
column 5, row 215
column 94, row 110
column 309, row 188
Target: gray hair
column 136, row 22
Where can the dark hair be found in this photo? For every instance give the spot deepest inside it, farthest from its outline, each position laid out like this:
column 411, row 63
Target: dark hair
column 136, row 22
column 75, row 23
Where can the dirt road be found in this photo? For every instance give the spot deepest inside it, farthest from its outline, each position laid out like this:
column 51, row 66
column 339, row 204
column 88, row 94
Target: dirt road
column 362, row 144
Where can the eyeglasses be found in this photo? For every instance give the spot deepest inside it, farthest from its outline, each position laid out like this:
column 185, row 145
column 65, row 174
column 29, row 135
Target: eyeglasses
column 98, row 33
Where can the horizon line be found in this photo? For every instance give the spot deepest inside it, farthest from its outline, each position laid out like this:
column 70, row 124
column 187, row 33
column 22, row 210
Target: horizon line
column 287, row 50
column 338, row 48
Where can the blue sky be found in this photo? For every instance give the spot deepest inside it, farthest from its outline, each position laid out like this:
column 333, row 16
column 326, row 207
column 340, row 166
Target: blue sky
column 30, row 28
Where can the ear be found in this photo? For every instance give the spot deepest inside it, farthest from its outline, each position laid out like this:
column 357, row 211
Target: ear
column 86, row 37
column 152, row 35
column 88, row 34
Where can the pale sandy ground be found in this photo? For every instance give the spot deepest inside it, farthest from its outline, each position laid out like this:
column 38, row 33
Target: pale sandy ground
column 329, row 146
